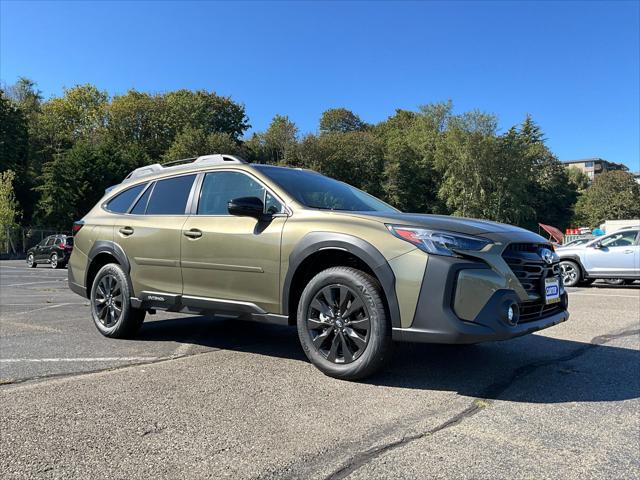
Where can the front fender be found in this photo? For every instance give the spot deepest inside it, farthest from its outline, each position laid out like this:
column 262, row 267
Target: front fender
column 316, row 241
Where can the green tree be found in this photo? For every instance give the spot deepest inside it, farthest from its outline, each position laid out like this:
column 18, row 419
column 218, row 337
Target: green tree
column 612, row 196
column 192, row 142
column 14, row 150
column 140, row 119
column 482, row 177
column 206, row 111
column 578, row 179
column 279, row 139
column 76, row 179
column 552, row 194
column 340, row 120
column 353, row 157
column 9, row 211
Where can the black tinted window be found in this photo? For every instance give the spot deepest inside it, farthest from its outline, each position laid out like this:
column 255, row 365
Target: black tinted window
column 317, row 191
column 141, row 205
column 170, row 196
column 220, row 187
column 121, row 202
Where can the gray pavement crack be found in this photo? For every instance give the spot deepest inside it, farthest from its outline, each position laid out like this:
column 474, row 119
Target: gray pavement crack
column 478, row 404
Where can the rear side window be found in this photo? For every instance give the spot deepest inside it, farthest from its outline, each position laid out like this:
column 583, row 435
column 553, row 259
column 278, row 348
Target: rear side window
column 121, row 202
column 170, row 196
column 141, row 205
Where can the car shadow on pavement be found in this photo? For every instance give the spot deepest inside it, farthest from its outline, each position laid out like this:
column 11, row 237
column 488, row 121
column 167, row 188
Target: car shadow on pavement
column 531, row 369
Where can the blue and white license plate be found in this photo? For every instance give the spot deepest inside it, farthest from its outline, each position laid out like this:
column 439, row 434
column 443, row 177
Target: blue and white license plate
column 551, row 290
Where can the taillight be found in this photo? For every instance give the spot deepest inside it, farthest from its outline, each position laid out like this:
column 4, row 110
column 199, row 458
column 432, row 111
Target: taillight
column 77, row 226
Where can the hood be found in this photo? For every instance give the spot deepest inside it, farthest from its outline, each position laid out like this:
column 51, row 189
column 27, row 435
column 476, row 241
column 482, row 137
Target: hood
column 470, row 226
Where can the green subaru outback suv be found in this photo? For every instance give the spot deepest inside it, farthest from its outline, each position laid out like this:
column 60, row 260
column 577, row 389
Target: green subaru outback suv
column 217, row 235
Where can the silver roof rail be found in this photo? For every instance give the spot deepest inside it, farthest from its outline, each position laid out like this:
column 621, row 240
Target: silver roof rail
column 216, row 159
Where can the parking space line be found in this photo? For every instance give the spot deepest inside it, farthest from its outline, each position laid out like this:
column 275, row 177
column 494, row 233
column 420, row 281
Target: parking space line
column 43, row 308
column 81, row 359
column 30, row 283
column 603, row 295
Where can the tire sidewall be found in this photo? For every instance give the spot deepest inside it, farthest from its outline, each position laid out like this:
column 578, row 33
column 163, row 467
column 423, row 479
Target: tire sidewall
column 375, row 352
column 116, row 271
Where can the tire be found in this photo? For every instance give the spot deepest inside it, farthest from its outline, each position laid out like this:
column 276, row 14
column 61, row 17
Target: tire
column 111, row 308
column 571, row 273
column 330, row 307
column 31, row 261
column 54, row 261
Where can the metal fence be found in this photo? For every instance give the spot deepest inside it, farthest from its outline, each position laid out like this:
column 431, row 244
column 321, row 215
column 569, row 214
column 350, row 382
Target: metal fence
column 15, row 241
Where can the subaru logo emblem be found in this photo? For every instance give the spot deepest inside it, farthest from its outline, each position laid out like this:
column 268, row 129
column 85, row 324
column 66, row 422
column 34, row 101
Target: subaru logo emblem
column 546, row 255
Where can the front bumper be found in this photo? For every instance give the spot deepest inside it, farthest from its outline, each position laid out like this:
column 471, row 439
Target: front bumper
column 435, row 320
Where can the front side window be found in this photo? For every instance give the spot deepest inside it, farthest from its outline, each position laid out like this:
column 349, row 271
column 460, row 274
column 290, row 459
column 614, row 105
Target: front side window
column 317, row 191
column 169, row 197
column 622, row 239
column 218, row 188
column 49, row 241
column 121, row 202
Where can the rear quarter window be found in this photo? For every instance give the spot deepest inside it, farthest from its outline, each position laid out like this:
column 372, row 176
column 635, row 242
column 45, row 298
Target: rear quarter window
column 121, row 202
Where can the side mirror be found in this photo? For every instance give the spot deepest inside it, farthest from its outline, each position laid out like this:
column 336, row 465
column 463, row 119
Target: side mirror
column 246, row 207
column 597, row 245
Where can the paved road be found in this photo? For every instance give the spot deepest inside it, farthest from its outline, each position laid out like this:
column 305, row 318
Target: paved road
column 212, row 398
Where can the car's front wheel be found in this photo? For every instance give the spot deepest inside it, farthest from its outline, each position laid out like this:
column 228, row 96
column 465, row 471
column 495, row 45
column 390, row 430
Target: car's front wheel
column 571, row 273
column 111, row 308
column 343, row 325
column 31, row 261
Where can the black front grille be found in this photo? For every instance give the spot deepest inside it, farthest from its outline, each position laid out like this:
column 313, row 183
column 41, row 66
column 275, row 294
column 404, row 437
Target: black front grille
column 530, row 311
column 527, row 265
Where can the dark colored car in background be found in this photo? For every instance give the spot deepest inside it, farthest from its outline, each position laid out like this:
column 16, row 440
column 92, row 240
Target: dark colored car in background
column 54, row 250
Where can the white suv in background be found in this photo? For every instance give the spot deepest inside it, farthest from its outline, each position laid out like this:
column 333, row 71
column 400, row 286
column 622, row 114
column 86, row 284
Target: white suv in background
column 616, row 255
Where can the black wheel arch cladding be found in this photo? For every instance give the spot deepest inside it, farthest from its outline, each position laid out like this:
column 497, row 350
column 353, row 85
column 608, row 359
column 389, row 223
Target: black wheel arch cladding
column 371, row 256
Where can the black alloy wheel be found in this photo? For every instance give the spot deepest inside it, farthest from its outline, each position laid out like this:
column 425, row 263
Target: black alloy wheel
column 108, row 300
column 343, row 324
column 338, row 322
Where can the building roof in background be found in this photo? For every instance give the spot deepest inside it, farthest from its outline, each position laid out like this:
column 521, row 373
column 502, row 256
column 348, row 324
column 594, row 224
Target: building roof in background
column 620, row 166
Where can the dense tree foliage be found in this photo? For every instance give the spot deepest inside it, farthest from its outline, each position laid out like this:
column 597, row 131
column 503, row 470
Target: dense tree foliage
column 66, row 150
column 612, row 196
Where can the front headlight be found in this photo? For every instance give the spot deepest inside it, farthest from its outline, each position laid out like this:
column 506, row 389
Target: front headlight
column 438, row 242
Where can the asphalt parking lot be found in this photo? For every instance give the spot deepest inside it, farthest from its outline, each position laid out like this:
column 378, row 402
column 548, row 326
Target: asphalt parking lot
column 196, row 397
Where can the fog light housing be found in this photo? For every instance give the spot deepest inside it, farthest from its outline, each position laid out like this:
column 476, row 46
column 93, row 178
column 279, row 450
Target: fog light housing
column 511, row 313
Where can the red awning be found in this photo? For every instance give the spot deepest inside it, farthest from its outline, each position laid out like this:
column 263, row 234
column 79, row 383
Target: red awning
column 553, row 231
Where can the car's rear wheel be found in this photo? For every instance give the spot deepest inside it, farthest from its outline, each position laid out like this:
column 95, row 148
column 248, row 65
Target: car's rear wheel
column 571, row 273
column 111, row 308
column 343, row 325
column 31, row 261
column 54, row 261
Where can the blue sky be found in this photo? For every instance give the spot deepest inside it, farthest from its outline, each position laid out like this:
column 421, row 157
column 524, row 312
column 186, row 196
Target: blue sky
column 574, row 66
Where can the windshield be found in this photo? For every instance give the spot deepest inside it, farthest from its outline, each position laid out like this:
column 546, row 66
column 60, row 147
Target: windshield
column 317, row 191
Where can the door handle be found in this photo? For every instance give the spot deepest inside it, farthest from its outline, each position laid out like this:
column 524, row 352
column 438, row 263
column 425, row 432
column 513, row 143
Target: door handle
column 193, row 233
column 628, row 251
column 126, row 231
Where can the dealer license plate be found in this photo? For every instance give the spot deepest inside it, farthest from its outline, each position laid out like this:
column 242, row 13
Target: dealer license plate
column 551, row 290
